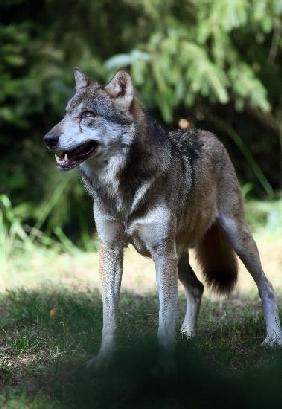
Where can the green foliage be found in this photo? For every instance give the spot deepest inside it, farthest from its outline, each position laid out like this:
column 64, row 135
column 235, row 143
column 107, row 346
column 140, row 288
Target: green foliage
column 193, row 52
column 216, row 62
column 265, row 215
column 19, row 242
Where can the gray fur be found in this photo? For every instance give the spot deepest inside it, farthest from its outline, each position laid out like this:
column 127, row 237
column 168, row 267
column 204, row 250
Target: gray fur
column 159, row 191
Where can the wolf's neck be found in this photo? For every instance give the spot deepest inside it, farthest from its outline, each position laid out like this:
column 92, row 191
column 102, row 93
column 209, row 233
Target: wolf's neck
column 128, row 175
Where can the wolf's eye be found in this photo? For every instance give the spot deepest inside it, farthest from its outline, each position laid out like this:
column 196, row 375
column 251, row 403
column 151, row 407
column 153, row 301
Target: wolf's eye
column 87, row 114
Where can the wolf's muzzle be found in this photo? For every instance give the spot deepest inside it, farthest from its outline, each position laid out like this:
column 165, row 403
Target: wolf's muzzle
column 51, row 139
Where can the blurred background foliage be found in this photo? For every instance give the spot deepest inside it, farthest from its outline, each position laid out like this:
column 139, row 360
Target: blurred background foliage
column 216, row 63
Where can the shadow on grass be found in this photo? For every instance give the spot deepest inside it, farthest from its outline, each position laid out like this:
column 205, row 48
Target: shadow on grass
column 131, row 382
column 43, row 356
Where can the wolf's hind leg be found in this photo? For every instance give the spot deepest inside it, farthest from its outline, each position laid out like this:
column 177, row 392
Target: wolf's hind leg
column 245, row 246
column 194, row 290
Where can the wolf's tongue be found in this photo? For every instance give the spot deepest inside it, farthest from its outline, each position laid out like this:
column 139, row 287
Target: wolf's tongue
column 68, row 161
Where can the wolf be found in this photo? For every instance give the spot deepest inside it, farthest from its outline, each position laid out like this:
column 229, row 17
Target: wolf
column 164, row 193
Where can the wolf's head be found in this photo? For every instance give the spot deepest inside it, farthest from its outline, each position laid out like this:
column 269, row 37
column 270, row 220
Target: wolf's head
column 97, row 121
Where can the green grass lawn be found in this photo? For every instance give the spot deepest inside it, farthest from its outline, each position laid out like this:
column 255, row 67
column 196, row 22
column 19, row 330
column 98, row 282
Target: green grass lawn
column 47, row 335
column 50, row 325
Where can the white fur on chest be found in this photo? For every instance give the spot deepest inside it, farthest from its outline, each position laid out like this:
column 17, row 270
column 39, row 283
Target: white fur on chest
column 150, row 231
column 105, row 175
column 109, row 180
column 145, row 233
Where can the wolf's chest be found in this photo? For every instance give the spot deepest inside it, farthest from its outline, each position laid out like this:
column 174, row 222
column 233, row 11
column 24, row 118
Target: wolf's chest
column 107, row 190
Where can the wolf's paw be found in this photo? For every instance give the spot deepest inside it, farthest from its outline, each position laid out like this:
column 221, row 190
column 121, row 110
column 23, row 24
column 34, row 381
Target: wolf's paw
column 273, row 341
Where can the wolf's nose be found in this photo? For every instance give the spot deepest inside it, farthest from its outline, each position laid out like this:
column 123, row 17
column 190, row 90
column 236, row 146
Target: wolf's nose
column 51, row 139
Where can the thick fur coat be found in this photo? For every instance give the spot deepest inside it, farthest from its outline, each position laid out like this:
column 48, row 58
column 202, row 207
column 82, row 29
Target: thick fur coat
column 163, row 192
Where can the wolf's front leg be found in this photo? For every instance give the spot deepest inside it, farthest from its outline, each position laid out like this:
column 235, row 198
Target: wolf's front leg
column 111, row 273
column 166, row 270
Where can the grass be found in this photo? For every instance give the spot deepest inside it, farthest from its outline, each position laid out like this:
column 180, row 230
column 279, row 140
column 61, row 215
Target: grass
column 47, row 336
column 50, row 325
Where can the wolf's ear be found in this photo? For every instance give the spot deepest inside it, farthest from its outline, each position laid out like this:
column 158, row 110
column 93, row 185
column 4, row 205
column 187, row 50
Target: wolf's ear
column 81, row 80
column 121, row 89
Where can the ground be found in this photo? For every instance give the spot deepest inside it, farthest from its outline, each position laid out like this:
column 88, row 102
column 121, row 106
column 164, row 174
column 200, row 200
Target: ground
column 77, row 269
column 51, row 324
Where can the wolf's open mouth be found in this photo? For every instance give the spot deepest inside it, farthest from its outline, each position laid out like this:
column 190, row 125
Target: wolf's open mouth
column 70, row 159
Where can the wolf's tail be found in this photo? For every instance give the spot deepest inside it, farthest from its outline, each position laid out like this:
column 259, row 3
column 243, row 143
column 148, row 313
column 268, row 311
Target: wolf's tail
column 218, row 260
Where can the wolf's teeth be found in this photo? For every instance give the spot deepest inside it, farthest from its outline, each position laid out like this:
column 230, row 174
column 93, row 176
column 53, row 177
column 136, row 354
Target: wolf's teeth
column 57, row 157
column 66, row 156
